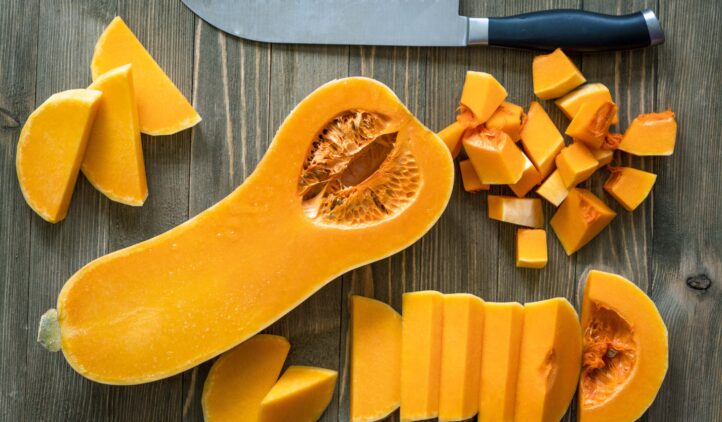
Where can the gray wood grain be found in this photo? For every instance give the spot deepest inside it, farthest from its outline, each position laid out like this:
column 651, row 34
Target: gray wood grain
column 243, row 90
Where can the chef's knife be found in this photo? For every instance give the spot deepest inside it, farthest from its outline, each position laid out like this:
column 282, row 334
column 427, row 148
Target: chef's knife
column 424, row 23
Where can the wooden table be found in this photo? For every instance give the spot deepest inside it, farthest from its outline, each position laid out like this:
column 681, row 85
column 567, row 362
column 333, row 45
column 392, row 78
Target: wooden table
column 671, row 246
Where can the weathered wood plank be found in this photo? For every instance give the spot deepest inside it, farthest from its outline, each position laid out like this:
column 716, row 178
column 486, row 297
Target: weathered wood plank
column 231, row 82
column 67, row 34
column 18, row 59
column 687, row 230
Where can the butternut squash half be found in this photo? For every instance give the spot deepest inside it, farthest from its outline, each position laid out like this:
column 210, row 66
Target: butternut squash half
column 351, row 177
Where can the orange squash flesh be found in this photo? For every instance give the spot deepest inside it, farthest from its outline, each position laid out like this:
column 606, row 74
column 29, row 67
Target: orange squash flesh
column 549, row 361
column 530, row 177
column 531, row 248
column 302, row 394
column 575, row 164
column 553, row 189
column 375, row 359
column 554, row 75
column 162, row 108
column 167, row 304
column 508, row 118
column 451, row 135
column 482, row 95
column 625, row 350
column 651, row 134
column 422, row 319
column 521, row 211
column 503, row 324
column 589, row 93
column 541, row 139
column 113, row 161
column 460, row 356
column 580, row 218
column 241, row 378
column 50, row 150
column 495, row 157
column 603, row 155
column 591, row 123
column 469, row 177
column 629, row 186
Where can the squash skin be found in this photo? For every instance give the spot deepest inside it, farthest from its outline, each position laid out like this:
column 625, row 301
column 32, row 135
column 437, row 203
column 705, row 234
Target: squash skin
column 221, row 277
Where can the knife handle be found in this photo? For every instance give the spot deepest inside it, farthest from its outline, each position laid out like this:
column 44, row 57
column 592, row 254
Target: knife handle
column 571, row 30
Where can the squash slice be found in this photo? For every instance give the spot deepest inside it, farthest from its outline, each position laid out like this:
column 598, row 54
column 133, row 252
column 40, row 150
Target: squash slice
column 302, row 394
column 162, row 108
column 351, row 177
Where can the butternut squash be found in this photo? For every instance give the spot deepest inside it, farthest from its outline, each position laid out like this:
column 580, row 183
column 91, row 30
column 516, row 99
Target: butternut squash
column 541, row 139
column 50, row 150
column 575, row 164
column 603, row 155
column 240, row 379
column 463, row 326
column 531, row 248
column 629, row 186
column 549, row 360
column 451, row 135
column 591, row 123
column 469, row 177
column 554, row 75
column 625, row 350
column 651, row 134
column 503, row 324
column 589, row 93
column 422, row 319
column 495, row 157
column 521, row 211
column 375, row 359
column 482, row 95
column 553, row 189
column 162, row 108
column 530, row 177
column 302, row 394
column 113, row 161
column 580, row 218
column 350, row 177
column 509, row 118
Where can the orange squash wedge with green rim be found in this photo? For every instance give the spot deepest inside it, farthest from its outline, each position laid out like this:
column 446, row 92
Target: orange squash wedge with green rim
column 624, row 350
column 350, row 177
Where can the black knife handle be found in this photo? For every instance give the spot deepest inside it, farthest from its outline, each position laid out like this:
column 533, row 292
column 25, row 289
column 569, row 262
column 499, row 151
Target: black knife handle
column 576, row 31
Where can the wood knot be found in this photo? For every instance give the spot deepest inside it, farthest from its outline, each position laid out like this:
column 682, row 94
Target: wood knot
column 7, row 120
column 699, row 282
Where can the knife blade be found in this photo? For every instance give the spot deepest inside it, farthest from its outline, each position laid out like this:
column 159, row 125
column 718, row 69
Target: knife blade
column 432, row 23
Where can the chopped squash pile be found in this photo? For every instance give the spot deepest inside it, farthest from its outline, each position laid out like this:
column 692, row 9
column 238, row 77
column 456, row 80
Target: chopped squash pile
column 130, row 94
column 488, row 126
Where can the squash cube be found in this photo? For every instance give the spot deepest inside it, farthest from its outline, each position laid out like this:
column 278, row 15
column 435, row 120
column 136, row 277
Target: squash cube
column 469, row 178
column 375, row 359
column 553, row 189
column 421, row 326
column 579, row 219
column 509, row 118
column 460, row 356
column 541, row 139
column 495, row 157
column 500, row 361
column 529, row 178
column 554, row 75
column 575, row 164
column 531, row 248
column 301, row 394
column 482, row 94
column 591, row 123
column 520, row 211
column 451, row 135
column 550, row 360
column 603, row 156
column 589, row 93
column 629, row 186
column 651, row 134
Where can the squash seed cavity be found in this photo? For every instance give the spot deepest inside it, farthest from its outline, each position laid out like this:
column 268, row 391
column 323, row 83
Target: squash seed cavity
column 356, row 173
column 609, row 355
